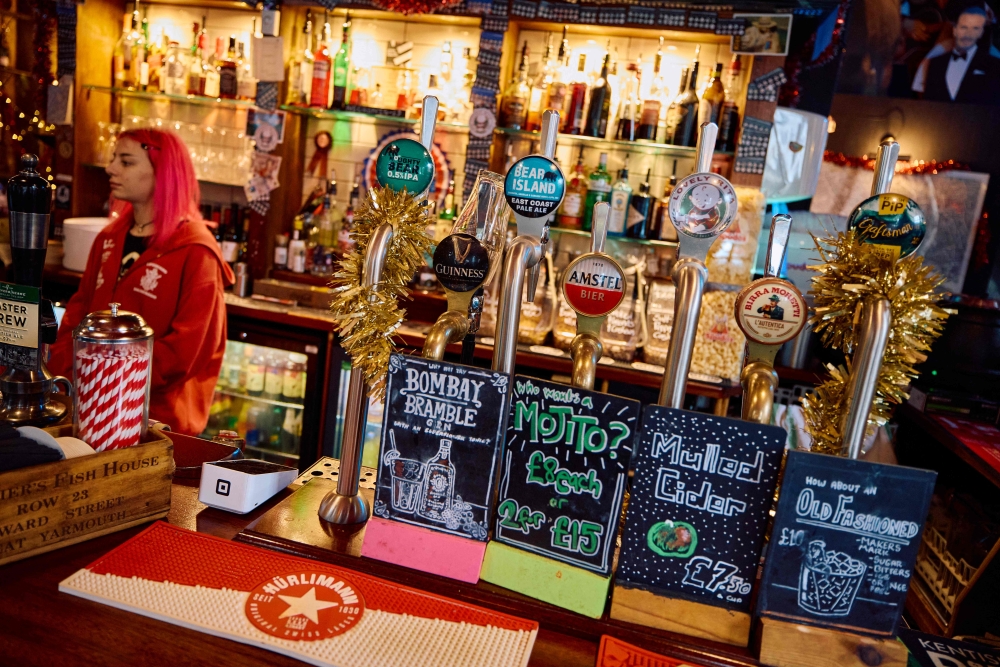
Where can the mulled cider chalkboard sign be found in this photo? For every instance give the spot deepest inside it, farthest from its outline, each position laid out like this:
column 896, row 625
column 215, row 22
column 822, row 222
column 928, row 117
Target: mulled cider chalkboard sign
column 699, row 506
column 844, row 543
column 440, row 437
column 564, row 470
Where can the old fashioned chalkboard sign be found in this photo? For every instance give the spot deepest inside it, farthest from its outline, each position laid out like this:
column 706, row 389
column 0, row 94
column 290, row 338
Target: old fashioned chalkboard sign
column 563, row 471
column 699, row 506
column 441, row 435
column 844, row 543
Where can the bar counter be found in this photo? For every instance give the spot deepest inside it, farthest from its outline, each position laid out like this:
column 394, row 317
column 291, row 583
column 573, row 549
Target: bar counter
column 41, row 626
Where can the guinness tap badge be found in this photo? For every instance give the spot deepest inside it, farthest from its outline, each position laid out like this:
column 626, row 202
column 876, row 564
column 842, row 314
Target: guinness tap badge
column 894, row 224
column 461, row 263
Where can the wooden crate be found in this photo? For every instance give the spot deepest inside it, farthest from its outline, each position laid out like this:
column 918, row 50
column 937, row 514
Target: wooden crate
column 54, row 505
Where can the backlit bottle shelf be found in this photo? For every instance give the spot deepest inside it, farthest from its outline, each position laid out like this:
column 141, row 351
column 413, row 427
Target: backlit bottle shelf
column 668, row 150
column 259, row 399
column 366, row 118
column 183, row 99
column 611, row 239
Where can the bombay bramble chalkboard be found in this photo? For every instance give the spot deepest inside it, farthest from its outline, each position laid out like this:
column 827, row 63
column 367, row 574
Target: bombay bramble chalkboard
column 441, row 435
column 563, row 471
column 699, row 506
column 844, row 542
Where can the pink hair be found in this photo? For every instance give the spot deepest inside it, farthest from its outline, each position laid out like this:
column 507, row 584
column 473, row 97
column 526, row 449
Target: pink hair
column 176, row 195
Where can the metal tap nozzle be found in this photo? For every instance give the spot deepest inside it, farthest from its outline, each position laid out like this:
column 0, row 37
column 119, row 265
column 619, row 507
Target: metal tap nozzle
column 885, row 167
column 875, row 320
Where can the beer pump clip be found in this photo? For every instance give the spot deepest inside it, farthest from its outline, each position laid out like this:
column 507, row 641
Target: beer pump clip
column 701, row 207
column 593, row 285
column 769, row 312
column 534, row 188
column 403, row 163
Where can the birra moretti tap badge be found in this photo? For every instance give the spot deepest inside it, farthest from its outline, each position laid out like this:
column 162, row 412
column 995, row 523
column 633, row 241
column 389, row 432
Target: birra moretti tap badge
column 594, row 284
column 771, row 311
column 894, row 224
column 405, row 163
column 534, row 187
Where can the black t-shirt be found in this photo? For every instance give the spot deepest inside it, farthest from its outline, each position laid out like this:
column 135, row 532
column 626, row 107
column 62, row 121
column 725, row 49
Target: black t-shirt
column 134, row 246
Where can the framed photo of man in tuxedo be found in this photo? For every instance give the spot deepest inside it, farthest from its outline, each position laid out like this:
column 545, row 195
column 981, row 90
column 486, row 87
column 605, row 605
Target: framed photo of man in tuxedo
column 964, row 69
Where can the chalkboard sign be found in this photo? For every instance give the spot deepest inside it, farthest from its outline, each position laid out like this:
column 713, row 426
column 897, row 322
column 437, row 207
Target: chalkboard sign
column 934, row 651
column 441, row 434
column 844, row 543
column 563, row 471
column 699, row 506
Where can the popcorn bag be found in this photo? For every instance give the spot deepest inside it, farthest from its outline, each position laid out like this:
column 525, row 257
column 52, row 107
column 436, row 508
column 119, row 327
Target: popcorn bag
column 112, row 364
column 718, row 346
column 731, row 258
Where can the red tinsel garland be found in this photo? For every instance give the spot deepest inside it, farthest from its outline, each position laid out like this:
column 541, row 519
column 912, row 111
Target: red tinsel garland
column 915, row 168
column 45, row 25
column 414, row 6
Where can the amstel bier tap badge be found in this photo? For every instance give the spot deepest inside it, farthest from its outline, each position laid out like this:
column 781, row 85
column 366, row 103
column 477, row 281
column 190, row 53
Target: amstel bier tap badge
column 894, row 224
column 594, row 284
column 305, row 606
column 771, row 311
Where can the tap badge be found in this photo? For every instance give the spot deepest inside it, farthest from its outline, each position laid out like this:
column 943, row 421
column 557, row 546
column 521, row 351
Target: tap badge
column 534, row 187
column 703, row 205
column 305, row 606
column 461, row 263
column 771, row 311
column 405, row 163
column 893, row 224
column 594, row 284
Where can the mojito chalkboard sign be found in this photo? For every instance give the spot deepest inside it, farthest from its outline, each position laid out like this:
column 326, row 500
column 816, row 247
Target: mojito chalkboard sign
column 563, row 472
column 699, row 506
column 844, row 542
column 440, row 438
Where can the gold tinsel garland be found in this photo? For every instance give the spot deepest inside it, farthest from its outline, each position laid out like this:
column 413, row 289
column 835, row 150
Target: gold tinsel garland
column 852, row 272
column 368, row 317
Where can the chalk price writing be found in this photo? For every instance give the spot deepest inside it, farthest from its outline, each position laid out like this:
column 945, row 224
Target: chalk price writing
column 578, row 536
column 715, row 577
column 545, row 470
column 558, row 425
column 515, row 517
column 792, row 538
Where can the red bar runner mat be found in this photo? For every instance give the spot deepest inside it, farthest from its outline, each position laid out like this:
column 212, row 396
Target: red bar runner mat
column 616, row 653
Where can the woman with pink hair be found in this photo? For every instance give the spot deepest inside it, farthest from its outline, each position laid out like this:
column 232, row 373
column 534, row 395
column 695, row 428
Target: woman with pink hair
column 157, row 258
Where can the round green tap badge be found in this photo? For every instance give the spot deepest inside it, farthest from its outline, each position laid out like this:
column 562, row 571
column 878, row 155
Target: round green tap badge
column 405, row 163
column 534, row 187
column 894, row 224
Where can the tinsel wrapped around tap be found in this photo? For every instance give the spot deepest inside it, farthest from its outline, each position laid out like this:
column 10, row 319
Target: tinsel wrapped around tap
column 852, row 272
column 367, row 317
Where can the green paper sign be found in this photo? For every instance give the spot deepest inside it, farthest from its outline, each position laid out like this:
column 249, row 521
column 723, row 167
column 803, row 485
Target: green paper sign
column 405, row 164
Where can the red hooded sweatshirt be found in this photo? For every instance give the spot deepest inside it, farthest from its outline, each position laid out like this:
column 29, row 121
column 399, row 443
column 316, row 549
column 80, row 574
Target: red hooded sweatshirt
column 177, row 287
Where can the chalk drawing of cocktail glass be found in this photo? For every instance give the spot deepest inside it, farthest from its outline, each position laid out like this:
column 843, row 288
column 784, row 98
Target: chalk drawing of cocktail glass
column 829, row 581
column 407, row 475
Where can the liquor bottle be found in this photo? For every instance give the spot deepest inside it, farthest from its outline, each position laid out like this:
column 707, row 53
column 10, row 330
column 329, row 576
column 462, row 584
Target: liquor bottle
column 300, row 68
column 576, row 100
column 571, row 212
column 246, row 84
column 514, row 107
column 438, row 485
column 174, row 73
column 729, row 121
column 141, row 53
column 621, row 195
column 554, row 96
column 228, row 75
column 319, row 95
column 230, row 235
column 327, row 220
column 194, row 66
column 540, row 87
column 653, row 107
column 673, row 113
column 628, row 107
column 640, row 212
column 273, row 380
column 126, row 69
column 297, row 247
column 448, row 210
column 256, row 371
column 345, row 241
column 210, row 79
column 712, row 100
column 686, row 130
column 342, row 68
column 598, row 190
column 600, row 104
column 663, row 228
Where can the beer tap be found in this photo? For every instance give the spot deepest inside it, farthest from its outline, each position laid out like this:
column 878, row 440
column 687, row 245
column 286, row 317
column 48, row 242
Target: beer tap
column 593, row 285
column 466, row 260
column 346, row 505
column 769, row 312
column 534, row 188
column 701, row 207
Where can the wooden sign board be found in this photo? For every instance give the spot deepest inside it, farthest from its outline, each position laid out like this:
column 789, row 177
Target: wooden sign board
column 564, row 471
column 441, row 435
column 844, row 543
column 696, row 521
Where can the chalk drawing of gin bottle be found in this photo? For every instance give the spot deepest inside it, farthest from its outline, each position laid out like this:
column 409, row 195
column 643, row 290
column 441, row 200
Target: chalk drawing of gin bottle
column 439, row 485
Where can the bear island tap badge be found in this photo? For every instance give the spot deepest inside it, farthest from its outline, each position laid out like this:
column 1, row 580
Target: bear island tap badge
column 305, row 606
column 534, row 187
